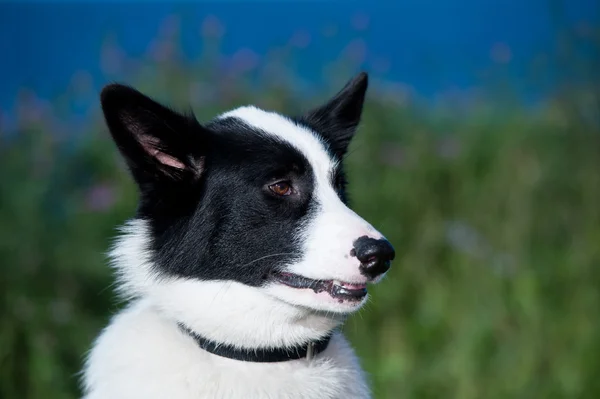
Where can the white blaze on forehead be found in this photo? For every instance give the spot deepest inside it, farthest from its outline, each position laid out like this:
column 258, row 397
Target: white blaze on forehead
column 301, row 138
column 329, row 237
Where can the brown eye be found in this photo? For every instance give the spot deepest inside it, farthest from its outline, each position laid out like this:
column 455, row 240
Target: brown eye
column 282, row 188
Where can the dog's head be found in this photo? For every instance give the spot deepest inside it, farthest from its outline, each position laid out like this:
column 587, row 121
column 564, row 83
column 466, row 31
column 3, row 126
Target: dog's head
column 243, row 231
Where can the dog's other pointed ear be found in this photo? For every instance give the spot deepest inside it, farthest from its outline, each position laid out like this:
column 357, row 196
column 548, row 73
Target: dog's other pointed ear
column 338, row 119
column 158, row 144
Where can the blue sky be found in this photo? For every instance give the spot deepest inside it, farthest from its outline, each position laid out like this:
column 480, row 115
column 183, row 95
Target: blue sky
column 430, row 45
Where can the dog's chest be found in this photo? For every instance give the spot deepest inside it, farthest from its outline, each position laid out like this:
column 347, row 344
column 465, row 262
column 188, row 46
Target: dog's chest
column 141, row 356
column 320, row 378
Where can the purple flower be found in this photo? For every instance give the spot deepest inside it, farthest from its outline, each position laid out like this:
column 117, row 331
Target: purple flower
column 356, row 51
column 100, row 197
column 111, row 58
column 201, row 93
column 392, row 154
column 61, row 311
column 162, row 50
column 31, row 109
column 170, row 26
column 396, row 92
column 3, row 119
column 244, row 60
column 82, row 81
column 381, row 65
column 448, row 148
column 212, row 27
column 464, row 238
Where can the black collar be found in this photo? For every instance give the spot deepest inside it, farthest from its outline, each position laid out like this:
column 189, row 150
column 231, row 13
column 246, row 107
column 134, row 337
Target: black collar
column 259, row 355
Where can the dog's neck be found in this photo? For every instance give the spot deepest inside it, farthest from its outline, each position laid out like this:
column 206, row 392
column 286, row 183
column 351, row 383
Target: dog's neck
column 259, row 355
column 240, row 316
column 222, row 311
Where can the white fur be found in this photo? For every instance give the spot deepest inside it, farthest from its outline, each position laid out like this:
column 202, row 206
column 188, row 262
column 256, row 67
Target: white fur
column 143, row 354
column 329, row 237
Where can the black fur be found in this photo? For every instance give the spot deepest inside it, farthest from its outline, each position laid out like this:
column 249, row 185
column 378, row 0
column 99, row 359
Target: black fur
column 214, row 217
column 336, row 121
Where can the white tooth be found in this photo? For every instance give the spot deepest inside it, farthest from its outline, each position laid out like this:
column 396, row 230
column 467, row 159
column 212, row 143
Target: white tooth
column 337, row 282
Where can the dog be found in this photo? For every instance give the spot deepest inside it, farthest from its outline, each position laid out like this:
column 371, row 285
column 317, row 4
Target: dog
column 243, row 259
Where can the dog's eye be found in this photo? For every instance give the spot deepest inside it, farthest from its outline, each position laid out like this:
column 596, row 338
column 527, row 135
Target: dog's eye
column 281, row 188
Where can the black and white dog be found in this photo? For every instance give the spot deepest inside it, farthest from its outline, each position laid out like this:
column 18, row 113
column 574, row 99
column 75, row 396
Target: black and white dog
column 243, row 259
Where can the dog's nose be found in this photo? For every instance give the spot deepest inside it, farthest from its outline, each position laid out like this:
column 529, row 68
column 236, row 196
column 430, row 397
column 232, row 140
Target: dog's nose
column 374, row 255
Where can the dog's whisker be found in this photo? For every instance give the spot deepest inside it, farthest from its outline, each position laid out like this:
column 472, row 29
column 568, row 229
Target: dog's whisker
column 222, row 290
column 267, row 256
column 108, row 287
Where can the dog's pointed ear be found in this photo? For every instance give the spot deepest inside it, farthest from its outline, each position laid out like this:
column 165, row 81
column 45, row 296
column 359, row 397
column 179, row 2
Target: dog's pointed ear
column 158, row 144
column 338, row 119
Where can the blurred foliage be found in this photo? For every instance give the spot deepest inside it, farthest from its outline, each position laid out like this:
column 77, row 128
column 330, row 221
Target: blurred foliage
column 493, row 209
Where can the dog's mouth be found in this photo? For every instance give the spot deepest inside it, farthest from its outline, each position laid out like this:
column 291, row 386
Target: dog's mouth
column 336, row 289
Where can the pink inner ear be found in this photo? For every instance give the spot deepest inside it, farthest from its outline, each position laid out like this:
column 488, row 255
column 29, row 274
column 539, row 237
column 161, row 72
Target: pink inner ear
column 168, row 160
column 163, row 158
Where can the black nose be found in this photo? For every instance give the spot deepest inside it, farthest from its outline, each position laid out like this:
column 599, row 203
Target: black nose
column 374, row 255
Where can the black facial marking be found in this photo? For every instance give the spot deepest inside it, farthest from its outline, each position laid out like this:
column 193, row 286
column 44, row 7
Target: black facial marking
column 204, row 189
column 339, row 182
column 236, row 229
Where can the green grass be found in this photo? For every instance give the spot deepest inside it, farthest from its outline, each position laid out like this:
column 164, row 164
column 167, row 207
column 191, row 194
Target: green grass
column 494, row 215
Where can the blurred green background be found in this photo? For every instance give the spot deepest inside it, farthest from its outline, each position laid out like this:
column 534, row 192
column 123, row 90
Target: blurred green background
column 492, row 203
